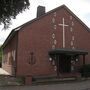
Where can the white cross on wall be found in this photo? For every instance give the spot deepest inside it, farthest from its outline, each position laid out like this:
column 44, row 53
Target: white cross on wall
column 63, row 25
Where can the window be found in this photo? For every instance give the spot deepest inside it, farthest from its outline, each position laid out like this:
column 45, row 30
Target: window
column 32, row 59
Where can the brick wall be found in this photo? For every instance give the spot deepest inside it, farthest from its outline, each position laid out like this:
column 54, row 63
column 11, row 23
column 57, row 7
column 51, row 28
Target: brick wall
column 37, row 38
column 9, row 56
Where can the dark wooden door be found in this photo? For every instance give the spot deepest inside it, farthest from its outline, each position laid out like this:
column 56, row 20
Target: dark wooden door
column 64, row 64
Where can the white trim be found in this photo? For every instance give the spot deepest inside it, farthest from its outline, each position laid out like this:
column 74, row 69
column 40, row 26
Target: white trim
column 17, row 29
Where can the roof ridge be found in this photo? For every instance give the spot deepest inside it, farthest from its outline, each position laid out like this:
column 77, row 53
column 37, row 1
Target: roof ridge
column 62, row 6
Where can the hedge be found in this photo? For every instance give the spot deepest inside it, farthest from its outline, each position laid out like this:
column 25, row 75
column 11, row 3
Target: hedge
column 85, row 70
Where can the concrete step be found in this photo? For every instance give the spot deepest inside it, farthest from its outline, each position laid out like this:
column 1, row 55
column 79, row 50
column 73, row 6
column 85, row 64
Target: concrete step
column 52, row 80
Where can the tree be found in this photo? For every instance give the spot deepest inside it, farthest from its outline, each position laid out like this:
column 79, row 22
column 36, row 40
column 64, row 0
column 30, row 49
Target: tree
column 10, row 9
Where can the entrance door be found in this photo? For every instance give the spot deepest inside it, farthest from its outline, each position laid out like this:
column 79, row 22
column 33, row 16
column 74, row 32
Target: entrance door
column 64, row 64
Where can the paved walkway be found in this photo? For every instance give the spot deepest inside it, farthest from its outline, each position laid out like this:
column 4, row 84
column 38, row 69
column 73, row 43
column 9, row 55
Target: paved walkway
column 83, row 85
column 3, row 72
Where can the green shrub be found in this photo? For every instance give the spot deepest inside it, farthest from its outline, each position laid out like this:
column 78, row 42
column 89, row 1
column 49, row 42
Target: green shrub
column 20, row 80
column 85, row 70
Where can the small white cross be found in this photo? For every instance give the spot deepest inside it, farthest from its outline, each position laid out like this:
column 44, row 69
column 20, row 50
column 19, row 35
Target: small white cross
column 63, row 25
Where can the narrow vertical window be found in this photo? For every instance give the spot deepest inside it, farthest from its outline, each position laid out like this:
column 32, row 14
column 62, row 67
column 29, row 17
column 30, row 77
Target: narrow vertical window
column 32, row 58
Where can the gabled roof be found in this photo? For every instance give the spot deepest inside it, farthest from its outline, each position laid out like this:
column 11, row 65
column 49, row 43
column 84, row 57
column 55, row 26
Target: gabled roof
column 11, row 35
column 36, row 19
column 58, row 8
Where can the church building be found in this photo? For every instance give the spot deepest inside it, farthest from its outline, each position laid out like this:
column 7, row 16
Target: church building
column 56, row 43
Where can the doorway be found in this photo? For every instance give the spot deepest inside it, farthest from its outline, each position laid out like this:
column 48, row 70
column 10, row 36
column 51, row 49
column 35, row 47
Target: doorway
column 64, row 64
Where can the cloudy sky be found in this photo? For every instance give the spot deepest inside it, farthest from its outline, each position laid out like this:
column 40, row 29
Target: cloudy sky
column 79, row 7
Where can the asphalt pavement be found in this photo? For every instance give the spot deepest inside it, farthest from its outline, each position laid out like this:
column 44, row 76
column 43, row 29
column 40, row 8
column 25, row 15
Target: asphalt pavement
column 79, row 85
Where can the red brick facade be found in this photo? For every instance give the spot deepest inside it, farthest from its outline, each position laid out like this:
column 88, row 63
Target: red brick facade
column 37, row 38
column 9, row 56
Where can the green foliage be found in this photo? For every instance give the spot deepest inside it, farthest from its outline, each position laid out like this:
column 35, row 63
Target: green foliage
column 85, row 70
column 20, row 80
column 10, row 9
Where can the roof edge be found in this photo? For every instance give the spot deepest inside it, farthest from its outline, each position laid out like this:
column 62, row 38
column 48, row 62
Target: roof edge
column 35, row 19
column 49, row 12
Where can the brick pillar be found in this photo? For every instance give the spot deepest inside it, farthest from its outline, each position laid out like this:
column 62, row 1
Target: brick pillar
column 28, row 80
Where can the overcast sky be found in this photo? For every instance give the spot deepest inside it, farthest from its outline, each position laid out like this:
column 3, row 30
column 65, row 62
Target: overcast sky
column 79, row 7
